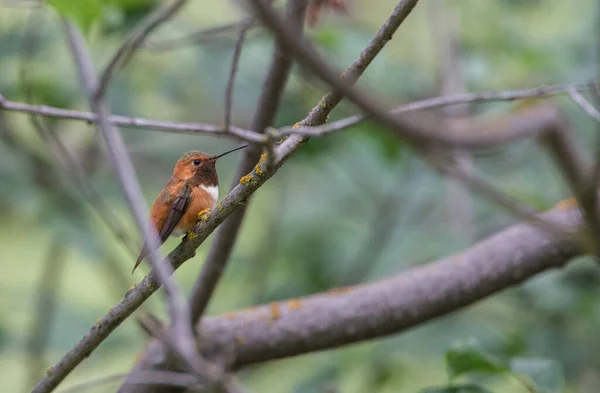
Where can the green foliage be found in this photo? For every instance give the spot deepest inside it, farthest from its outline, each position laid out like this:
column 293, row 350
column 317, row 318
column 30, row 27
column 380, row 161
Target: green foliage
column 83, row 12
column 463, row 388
column 468, row 358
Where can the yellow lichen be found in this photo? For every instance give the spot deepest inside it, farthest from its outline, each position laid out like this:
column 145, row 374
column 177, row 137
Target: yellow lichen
column 132, row 287
column 49, row 370
column 275, row 311
column 339, row 291
column 203, row 215
column 220, row 206
column 296, row 125
column 190, row 235
column 294, row 304
column 258, row 170
column 566, row 204
column 246, row 179
column 263, row 157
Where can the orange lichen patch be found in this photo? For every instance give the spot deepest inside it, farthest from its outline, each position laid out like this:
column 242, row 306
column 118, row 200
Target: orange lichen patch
column 296, row 125
column 132, row 287
column 566, row 204
column 263, row 157
column 258, row 170
column 275, row 311
column 294, row 304
column 230, row 315
column 339, row 291
column 246, row 179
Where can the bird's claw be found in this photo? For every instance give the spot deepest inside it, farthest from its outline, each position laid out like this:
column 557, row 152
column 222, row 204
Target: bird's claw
column 204, row 214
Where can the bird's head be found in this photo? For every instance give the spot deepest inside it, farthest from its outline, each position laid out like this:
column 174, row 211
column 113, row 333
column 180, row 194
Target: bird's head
column 199, row 166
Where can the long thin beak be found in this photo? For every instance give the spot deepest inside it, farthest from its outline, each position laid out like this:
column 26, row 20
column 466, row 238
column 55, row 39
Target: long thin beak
column 227, row 152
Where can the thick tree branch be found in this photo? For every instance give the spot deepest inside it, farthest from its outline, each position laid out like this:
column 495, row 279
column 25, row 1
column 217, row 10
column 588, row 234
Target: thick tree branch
column 348, row 315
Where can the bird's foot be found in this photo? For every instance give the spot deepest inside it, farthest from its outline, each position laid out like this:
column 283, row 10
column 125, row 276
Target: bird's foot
column 204, row 214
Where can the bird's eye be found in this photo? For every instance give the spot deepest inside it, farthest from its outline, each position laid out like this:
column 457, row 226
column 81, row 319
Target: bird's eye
column 197, row 162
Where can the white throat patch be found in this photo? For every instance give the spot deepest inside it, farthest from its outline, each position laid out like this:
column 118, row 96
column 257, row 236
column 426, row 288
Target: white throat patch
column 213, row 191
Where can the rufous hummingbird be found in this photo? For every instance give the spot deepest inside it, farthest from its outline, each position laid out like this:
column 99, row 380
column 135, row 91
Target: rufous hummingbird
column 192, row 189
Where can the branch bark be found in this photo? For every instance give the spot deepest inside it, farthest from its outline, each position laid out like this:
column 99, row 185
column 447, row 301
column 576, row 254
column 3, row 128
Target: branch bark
column 348, row 315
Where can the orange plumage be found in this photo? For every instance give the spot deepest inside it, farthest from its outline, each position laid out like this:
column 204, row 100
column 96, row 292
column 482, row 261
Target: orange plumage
column 192, row 188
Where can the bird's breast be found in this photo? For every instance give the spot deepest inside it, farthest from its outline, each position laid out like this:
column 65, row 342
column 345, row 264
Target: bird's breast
column 201, row 198
column 212, row 191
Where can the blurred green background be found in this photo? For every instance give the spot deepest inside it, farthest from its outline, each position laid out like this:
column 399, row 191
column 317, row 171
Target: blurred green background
column 321, row 221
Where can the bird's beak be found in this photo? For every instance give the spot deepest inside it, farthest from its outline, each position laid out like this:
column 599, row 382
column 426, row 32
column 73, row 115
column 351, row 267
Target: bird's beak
column 227, row 152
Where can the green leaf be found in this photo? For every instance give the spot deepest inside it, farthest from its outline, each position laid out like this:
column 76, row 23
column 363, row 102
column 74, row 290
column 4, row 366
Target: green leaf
column 545, row 374
column 83, row 12
column 464, row 388
column 469, row 357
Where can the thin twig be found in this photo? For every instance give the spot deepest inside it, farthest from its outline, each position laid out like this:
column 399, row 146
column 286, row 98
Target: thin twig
column 126, row 121
column 437, row 102
column 584, row 103
column 309, row 131
column 237, row 52
column 199, row 37
column 133, row 42
column 48, row 286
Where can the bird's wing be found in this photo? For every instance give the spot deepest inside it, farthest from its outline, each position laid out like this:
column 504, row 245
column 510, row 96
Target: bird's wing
column 176, row 211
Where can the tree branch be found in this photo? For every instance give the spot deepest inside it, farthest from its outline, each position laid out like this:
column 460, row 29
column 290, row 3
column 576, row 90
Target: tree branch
column 126, row 121
column 347, row 315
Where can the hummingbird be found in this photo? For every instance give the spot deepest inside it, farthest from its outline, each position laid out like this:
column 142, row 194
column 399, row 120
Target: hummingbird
column 192, row 188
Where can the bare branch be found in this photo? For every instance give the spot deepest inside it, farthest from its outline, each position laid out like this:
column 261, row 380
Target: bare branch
column 391, row 306
column 584, row 104
column 437, row 102
column 126, row 121
column 133, row 42
column 199, row 37
column 237, row 52
column 49, row 283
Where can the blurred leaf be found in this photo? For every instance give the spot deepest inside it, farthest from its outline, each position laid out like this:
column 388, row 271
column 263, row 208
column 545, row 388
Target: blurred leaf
column 83, row 12
column 469, row 357
column 546, row 374
column 466, row 388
